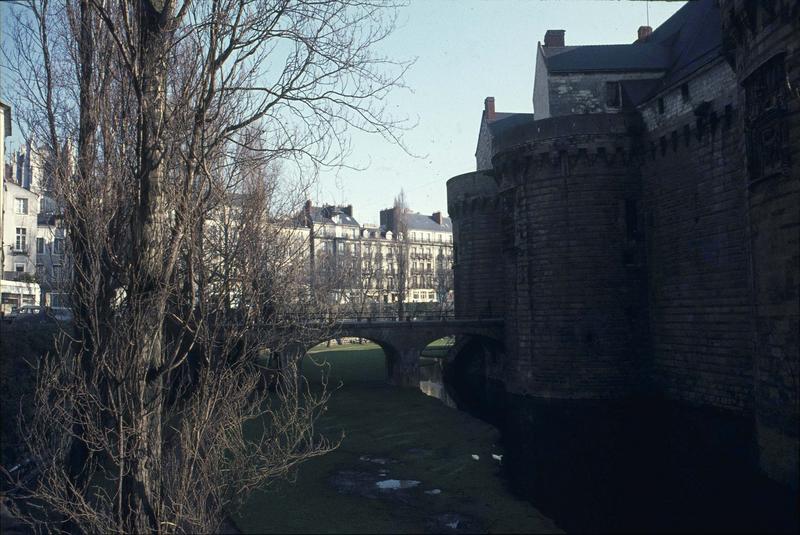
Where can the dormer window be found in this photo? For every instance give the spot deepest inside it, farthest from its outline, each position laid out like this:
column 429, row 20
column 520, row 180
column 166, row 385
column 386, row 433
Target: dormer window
column 613, row 94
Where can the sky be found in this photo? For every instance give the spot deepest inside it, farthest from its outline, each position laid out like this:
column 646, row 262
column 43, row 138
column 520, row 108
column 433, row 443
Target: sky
column 464, row 51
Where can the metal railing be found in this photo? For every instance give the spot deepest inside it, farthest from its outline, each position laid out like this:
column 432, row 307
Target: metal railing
column 393, row 318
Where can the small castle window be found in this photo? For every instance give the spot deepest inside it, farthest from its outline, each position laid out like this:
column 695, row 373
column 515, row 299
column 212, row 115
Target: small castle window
column 685, row 92
column 613, row 97
column 661, row 105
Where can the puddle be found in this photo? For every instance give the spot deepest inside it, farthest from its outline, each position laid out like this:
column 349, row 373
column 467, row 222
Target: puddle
column 449, row 522
column 433, row 492
column 395, row 484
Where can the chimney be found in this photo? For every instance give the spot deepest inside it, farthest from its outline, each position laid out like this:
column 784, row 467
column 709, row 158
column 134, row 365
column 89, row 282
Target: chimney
column 554, row 38
column 644, row 33
column 348, row 210
column 437, row 216
column 488, row 108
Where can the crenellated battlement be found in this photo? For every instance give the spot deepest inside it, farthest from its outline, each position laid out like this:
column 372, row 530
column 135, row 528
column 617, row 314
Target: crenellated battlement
column 591, row 133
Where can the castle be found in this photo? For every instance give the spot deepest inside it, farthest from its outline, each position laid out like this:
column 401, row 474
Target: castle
column 640, row 232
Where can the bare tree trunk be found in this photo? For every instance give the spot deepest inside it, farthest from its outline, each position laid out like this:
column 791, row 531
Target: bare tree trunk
column 175, row 110
column 400, row 216
column 79, row 452
column 152, row 258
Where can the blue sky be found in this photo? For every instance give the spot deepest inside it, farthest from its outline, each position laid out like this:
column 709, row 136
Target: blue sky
column 465, row 50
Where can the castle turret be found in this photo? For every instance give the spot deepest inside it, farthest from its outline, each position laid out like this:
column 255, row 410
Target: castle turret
column 473, row 205
column 569, row 198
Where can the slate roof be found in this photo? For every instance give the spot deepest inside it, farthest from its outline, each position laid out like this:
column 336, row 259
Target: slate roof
column 509, row 120
column 426, row 222
column 694, row 35
column 686, row 41
column 323, row 215
column 501, row 122
column 600, row 58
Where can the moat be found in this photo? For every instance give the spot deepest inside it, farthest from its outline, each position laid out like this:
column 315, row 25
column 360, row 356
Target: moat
column 406, row 464
column 412, row 463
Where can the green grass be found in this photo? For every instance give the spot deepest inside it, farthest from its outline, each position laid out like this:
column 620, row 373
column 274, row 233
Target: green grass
column 438, row 348
column 387, row 422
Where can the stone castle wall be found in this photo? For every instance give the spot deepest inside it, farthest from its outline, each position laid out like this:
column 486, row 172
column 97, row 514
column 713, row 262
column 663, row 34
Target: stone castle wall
column 763, row 46
column 472, row 198
column 657, row 254
column 575, row 278
column 698, row 267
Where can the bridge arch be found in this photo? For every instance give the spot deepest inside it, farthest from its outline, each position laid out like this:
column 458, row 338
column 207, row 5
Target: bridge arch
column 471, row 363
column 404, row 341
column 390, row 353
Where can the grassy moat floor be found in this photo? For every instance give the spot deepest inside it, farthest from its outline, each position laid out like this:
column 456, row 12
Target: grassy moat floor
column 393, row 437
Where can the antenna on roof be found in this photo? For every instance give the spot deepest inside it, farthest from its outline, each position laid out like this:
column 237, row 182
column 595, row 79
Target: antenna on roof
column 647, row 7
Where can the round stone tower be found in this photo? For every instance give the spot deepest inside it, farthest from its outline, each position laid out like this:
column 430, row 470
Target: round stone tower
column 572, row 255
column 473, row 205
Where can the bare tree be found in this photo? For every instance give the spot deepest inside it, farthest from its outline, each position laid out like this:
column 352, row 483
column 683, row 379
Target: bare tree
column 185, row 273
column 401, row 251
column 444, row 282
column 368, row 273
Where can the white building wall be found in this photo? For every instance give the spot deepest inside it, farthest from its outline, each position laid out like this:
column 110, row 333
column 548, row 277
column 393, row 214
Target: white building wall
column 19, row 252
column 541, row 93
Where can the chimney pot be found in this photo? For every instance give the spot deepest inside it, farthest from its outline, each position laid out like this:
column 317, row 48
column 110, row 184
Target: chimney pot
column 437, row 216
column 644, row 33
column 554, row 38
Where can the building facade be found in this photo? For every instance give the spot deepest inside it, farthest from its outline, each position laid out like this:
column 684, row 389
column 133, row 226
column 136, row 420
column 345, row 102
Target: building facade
column 20, row 231
column 372, row 267
column 639, row 232
column 34, row 239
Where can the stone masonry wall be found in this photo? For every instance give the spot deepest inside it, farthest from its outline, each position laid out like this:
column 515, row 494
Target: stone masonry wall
column 763, row 45
column 576, row 282
column 573, row 94
column 474, row 208
column 698, row 271
column 660, row 249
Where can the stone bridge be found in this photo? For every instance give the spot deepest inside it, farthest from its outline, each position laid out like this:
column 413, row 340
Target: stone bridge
column 403, row 341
